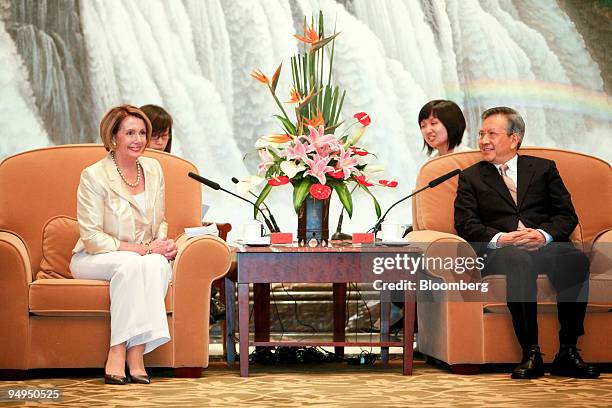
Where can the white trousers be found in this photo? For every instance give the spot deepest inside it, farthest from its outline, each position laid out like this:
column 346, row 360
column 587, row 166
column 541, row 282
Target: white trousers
column 138, row 286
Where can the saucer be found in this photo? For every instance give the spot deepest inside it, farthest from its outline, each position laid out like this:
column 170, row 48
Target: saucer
column 395, row 242
column 263, row 241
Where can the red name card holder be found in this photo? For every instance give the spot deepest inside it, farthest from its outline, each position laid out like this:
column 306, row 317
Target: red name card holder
column 363, row 238
column 281, row 238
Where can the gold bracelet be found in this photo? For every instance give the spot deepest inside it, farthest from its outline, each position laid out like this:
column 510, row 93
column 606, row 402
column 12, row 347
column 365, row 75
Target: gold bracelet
column 149, row 251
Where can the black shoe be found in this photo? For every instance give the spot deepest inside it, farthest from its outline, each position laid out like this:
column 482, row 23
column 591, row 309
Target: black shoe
column 568, row 363
column 115, row 379
column 396, row 327
column 140, row 379
column 262, row 355
column 531, row 365
column 217, row 309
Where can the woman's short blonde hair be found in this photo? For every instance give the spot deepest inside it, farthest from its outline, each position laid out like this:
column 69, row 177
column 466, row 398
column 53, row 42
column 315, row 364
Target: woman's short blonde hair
column 109, row 126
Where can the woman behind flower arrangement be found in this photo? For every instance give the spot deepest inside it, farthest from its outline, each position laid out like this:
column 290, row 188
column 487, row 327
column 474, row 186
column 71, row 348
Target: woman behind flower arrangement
column 120, row 210
column 442, row 125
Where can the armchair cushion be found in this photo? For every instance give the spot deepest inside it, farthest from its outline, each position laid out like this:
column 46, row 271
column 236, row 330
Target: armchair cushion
column 47, row 297
column 59, row 235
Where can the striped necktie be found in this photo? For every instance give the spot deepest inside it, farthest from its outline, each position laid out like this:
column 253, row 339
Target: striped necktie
column 511, row 187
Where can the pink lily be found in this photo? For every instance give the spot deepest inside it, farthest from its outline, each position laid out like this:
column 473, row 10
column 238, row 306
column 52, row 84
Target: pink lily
column 298, row 151
column 322, row 142
column 318, row 167
column 345, row 162
column 266, row 160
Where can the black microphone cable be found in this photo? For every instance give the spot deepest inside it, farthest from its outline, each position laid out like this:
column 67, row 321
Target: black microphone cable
column 277, row 229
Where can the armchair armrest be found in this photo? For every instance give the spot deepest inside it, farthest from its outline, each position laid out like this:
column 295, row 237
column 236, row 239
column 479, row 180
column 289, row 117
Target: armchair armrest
column 199, row 261
column 223, row 227
column 15, row 278
column 601, row 257
column 435, row 244
column 451, row 324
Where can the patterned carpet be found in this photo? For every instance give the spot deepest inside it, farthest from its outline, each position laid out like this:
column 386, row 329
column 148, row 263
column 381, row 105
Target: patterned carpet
column 325, row 385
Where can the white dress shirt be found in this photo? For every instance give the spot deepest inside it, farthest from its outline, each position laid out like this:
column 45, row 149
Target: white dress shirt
column 513, row 174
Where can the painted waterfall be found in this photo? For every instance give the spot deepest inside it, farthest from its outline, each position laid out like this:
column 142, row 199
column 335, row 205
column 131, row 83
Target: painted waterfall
column 65, row 62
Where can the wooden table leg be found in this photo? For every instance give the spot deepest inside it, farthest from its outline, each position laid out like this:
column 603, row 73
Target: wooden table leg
column 385, row 316
column 261, row 306
column 243, row 329
column 230, row 321
column 409, row 310
column 339, row 315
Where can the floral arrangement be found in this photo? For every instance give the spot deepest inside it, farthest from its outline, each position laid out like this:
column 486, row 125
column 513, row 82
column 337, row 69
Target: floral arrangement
column 308, row 154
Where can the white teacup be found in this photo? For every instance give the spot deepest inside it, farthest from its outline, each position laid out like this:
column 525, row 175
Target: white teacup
column 392, row 231
column 251, row 230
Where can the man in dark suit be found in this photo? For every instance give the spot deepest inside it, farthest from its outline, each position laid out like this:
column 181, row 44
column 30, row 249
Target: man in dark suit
column 517, row 213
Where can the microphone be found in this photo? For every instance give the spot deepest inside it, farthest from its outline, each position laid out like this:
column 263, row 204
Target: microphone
column 433, row 183
column 276, row 229
column 216, row 186
column 205, row 181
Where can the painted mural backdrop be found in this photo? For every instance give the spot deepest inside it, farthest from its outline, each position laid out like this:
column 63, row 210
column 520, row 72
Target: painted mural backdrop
column 65, row 62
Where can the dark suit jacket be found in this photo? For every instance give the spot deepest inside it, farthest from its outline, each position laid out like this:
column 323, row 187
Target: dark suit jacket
column 484, row 207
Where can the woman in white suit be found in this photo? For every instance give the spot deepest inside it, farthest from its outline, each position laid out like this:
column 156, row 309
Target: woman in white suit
column 120, row 209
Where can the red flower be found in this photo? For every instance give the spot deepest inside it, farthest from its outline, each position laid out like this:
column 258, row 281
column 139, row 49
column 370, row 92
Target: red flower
column 336, row 173
column 278, row 181
column 358, row 151
column 362, row 180
column 320, row 191
column 388, row 183
column 363, row 118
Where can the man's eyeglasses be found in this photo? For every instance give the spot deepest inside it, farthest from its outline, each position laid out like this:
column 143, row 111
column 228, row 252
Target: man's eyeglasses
column 490, row 133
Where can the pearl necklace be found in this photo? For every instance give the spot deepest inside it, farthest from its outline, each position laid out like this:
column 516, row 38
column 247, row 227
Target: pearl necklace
column 138, row 172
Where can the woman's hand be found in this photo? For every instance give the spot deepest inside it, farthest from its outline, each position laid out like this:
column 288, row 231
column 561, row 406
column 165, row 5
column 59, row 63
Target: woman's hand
column 164, row 246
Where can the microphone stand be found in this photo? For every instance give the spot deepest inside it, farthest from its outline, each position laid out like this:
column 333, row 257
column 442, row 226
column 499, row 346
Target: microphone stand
column 216, row 186
column 433, row 183
column 377, row 226
column 272, row 220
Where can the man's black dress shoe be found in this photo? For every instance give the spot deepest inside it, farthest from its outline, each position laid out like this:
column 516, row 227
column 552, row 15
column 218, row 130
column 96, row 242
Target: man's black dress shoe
column 531, row 365
column 568, row 363
column 115, row 379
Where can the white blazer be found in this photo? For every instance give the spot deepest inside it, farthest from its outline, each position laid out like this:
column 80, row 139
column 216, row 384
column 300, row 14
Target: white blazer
column 107, row 212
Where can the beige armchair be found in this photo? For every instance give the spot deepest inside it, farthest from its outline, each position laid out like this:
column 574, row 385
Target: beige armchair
column 468, row 333
column 65, row 323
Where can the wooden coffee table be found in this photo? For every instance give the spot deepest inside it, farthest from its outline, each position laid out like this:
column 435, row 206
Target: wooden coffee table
column 336, row 264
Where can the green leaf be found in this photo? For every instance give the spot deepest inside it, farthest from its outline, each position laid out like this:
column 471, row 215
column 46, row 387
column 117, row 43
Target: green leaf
column 331, row 58
column 289, row 127
column 304, row 72
column 300, row 191
column 273, row 171
column 345, row 197
column 275, row 77
column 262, row 196
column 323, row 42
column 332, row 112
column 376, row 205
column 340, row 106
